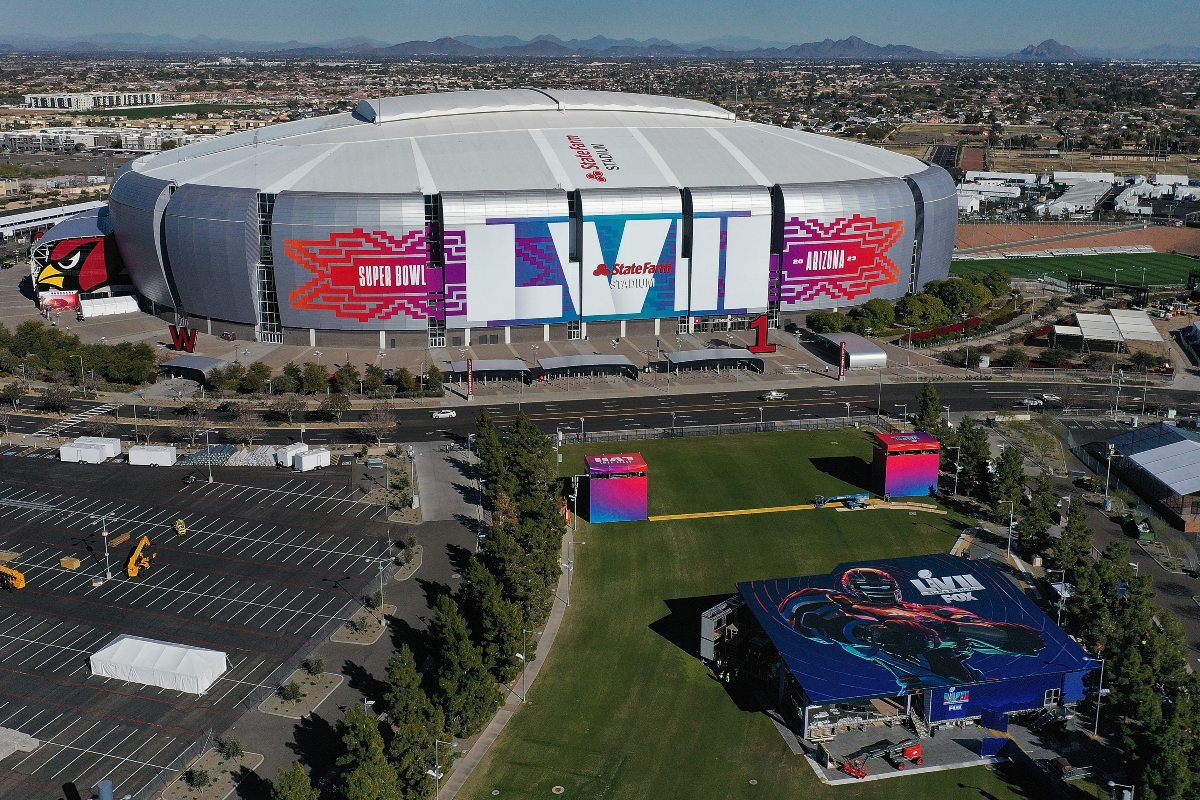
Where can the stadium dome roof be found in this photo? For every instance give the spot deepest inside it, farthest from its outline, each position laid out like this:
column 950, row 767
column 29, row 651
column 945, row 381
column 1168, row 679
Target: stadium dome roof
column 514, row 139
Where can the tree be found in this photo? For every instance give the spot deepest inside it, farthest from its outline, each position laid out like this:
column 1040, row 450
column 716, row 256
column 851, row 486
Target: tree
column 1010, row 475
column 416, row 722
column 290, row 379
column 255, row 379
column 827, row 322
column 490, row 452
column 922, row 311
column 467, row 694
column 293, row 783
column 1013, row 357
column 404, row 380
column 289, row 405
column 364, row 769
column 998, row 282
column 876, row 314
column 379, row 421
column 1074, row 548
column 314, row 378
column 56, row 397
column 334, row 405
column 1144, row 360
column 929, row 409
column 373, row 378
column 433, row 379
column 1033, row 536
column 345, row 378
column 13, row 392
column 495, row 620
column 246, row 425
column 972, row 438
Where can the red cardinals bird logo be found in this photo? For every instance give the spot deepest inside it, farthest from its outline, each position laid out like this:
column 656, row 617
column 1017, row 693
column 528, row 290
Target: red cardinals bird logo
column 74, row 265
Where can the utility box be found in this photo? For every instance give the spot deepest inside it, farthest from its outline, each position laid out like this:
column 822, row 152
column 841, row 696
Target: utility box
column 286, row 455
column 146, row 455
column 310, row 460
column 110, row 445
column 76, row 453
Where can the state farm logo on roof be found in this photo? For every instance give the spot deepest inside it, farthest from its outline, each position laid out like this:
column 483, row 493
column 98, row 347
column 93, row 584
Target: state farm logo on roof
column 364, row 275
column 594, row 159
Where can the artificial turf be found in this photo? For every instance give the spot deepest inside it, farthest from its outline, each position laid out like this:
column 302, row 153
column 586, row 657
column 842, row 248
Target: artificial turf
column 623, row 708
column 1161, row 269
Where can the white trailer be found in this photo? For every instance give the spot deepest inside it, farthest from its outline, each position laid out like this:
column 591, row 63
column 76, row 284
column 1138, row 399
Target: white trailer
column 286, row 454
column 110, row 445
column 310, row 460
column 146, row 455
column 76, row 453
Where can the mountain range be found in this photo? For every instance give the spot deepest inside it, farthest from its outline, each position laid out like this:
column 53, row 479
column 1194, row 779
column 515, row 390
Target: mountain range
column 851, row 48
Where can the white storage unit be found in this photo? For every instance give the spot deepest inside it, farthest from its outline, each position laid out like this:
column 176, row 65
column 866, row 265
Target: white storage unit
column 310, row 460
column 76, row 453
column 285, row 455
column 162, row 664
column 145, row 455
column 110, row 445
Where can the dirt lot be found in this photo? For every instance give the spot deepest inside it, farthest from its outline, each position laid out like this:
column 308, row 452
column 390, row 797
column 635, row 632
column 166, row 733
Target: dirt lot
column 1020, row 238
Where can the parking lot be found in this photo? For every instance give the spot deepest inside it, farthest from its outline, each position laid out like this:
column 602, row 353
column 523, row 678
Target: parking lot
column 270, row 560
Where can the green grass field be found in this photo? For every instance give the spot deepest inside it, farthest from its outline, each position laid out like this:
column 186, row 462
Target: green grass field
column 1161, row 269
column 622, row 709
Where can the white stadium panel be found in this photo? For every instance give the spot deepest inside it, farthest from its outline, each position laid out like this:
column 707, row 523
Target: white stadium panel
column 730, row 265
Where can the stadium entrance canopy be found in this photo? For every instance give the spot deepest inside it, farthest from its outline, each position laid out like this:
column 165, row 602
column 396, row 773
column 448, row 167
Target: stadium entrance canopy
column 951, row 633
column 491, row 369
column 192, row 366
column 713, row 358
column 595, row 364
column 1117, row 328
column 861, row 353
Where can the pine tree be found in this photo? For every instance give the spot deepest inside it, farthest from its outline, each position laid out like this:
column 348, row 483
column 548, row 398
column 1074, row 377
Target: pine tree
column 1074, row 547
column 1033, row 534
column 293, row 783
column 529, row 455
column 364, row 771
column 416, row 723
column 495, row 620
column 1010, row 475
column 467, row 693
column 975, row 453
column 929, row 410
column 490, row 451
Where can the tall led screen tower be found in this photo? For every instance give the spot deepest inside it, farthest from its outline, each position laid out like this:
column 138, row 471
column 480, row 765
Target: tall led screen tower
column 618, row 488
column 906, row 464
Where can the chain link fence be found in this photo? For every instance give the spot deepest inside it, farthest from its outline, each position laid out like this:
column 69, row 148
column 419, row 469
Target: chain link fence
column 875, row 421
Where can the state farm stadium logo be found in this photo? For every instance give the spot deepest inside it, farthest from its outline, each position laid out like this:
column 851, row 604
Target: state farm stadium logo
column 632, row 276
column 364, row 275
column 594, row 159
column 840, row 260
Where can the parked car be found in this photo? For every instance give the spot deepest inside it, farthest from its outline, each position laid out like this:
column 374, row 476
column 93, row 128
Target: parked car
column 444, row 413
column 773, row 395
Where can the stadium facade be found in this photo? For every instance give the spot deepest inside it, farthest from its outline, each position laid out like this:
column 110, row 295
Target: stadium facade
column 482, row 217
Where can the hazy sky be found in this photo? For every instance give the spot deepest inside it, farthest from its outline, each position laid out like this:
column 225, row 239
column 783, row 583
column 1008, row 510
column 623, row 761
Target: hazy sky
column 930, row 24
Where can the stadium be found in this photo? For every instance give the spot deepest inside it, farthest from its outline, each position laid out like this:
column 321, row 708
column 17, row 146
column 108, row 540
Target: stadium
column 488, row 217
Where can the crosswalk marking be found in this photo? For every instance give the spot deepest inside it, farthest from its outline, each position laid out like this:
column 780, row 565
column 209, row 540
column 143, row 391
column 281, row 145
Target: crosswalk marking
column 70, row 422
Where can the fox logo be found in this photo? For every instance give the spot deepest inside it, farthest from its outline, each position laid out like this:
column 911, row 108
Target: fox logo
column 596, row 175
column 602, row 269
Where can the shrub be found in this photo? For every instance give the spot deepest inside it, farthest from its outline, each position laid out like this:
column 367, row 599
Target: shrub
column 314, row 665
column 197, row 778
column 291, row 692
column 230, row 748
column 375, row 600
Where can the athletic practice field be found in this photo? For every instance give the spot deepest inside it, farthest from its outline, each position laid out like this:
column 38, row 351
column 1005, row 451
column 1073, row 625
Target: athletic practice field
column 623, row 709
column 1161, row 269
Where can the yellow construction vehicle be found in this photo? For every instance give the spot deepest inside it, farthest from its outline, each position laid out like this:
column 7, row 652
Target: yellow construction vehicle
column 12, row 578
column 180, row 527
column 140, row 559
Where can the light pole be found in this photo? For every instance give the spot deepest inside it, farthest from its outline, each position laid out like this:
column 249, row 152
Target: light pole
column 903, row 406
column 104, row 535
column 1061, row 593
column 270, row 387
column 879, row 395
column 847, row 413
column 1125, row 795
column 81, row 378
column 479, row 534
column 967, row 365
column 208, row 453
column 1099, row 697
column 581, row 438
column 318, row 354
column 1012, row 509
column 1107, row 474
column 436, row 773
column 957, row 466
column 570, row 562
column 760, row 415
column 524, row 662
column 947, row 410
column 1117, row 401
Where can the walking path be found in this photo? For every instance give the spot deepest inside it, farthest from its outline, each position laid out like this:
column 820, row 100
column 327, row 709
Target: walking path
column 836, row 505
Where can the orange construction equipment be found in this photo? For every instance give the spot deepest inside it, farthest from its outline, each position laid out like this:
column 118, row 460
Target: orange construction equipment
column 12, row 578
column 898, row 755
column 140, row 559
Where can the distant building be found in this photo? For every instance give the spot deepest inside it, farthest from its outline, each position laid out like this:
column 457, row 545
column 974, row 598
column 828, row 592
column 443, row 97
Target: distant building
column 87, row 101
column 64, row 140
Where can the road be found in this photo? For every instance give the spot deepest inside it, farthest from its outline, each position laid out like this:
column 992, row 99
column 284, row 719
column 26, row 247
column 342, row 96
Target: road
column 416, row 424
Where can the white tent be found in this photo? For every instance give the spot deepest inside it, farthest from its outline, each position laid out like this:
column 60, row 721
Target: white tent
column 162, row 664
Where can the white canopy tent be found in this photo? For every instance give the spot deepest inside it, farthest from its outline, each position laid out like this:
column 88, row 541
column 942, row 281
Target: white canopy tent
column 162, row 664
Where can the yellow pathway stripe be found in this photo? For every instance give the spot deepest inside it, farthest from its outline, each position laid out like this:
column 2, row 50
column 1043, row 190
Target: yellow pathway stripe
column 738, row 512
